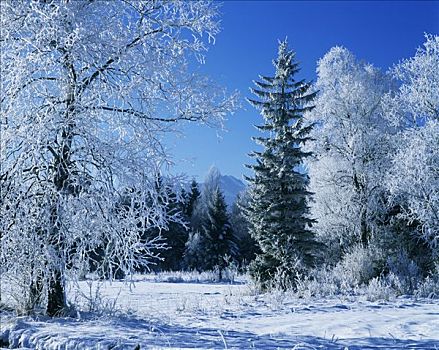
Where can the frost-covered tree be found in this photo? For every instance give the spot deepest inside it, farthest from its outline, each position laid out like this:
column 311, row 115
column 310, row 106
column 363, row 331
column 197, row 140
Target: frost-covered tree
column 413, row 179
column 211, row 182
column 87, row 90
column 417, row 98
column 352, row 150
column 175, row 234
column 278, row 207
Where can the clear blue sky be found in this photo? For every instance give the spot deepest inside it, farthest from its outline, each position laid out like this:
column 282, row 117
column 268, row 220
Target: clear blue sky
column 380, row 32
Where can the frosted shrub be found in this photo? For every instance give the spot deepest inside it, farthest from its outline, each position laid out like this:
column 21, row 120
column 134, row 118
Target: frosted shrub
column 320, row 283
column 406, row 270
column 350, row 276
column 357, row 267
column 92, row 299
column 428, row 288
column 229, row 275
column 379, row 289
column 18, row 295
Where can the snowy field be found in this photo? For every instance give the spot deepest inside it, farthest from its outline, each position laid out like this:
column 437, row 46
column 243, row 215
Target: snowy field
column 216, row 316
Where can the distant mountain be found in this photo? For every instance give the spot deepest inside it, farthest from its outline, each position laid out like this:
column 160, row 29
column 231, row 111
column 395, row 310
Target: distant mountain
column 231, row 186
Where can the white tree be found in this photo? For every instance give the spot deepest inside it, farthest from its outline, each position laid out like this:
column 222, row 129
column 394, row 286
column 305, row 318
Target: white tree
column 417, row 99
column 87, row 90
column 413, row 178
column 351, row 149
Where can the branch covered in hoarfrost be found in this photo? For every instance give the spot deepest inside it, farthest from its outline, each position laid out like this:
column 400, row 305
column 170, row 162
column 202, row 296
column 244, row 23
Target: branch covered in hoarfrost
column 88, row 89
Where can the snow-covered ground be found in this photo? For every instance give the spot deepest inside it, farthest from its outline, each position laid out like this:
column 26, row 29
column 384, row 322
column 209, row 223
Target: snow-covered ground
column 216, row 316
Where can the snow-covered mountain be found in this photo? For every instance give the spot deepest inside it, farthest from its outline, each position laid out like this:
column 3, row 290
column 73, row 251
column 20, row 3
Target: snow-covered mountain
column 231, row 186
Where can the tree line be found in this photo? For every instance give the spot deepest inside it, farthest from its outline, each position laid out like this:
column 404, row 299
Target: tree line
column 205, row 234
column 365, row 207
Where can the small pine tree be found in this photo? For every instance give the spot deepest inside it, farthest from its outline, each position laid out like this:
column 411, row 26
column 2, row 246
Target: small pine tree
column 278, row 207
column 211, row 241
column 218, row 241
column 191, row 199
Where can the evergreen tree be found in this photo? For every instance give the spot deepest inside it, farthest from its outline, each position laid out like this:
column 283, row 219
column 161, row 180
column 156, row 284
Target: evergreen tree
column 191, row 199
column 247, row 245
column 211, row 241
column 218, row 241
column 278, row 207
column 191, row 257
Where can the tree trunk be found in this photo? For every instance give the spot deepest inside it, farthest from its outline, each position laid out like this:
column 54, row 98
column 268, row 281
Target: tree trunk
column 364, row 230
column 36, row 292
column 56, row 300
column 56, row 297
column 62, row 165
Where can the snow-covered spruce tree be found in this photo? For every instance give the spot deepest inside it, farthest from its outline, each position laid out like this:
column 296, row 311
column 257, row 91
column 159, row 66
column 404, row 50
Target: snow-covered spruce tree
column 278, row 207
column 352, row 151
column 87, row 90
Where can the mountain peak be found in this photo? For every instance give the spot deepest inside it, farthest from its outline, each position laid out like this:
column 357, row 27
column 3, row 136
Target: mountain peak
column 231, row 187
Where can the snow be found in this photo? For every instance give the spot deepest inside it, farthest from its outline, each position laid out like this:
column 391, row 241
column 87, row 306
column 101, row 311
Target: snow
column 163, row 315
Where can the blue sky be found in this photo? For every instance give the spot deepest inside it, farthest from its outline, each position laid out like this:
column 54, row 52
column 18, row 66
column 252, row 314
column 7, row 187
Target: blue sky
column 380, row 32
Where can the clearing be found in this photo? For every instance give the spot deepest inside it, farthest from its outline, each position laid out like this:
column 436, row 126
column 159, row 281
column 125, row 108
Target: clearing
column 216, row 316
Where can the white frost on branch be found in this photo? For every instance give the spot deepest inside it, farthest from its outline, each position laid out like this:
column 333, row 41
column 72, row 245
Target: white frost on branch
column 417, row 99
column 414, row 180
column 351, row 149
column 88, row 89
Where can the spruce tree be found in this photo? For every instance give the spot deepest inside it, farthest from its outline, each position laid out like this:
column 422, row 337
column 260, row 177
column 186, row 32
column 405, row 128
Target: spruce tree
column 218, row 241
column 278, row 209
column 211, row 241
column 191, row 198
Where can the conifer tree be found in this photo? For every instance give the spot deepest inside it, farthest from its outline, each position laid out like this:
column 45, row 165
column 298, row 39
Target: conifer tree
column 217, row 236
column 247, row 246
column 191, row 198
column 211, row 240
column 278, row 207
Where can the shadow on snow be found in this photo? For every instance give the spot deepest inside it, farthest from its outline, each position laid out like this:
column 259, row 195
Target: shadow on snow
column 127, row 333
